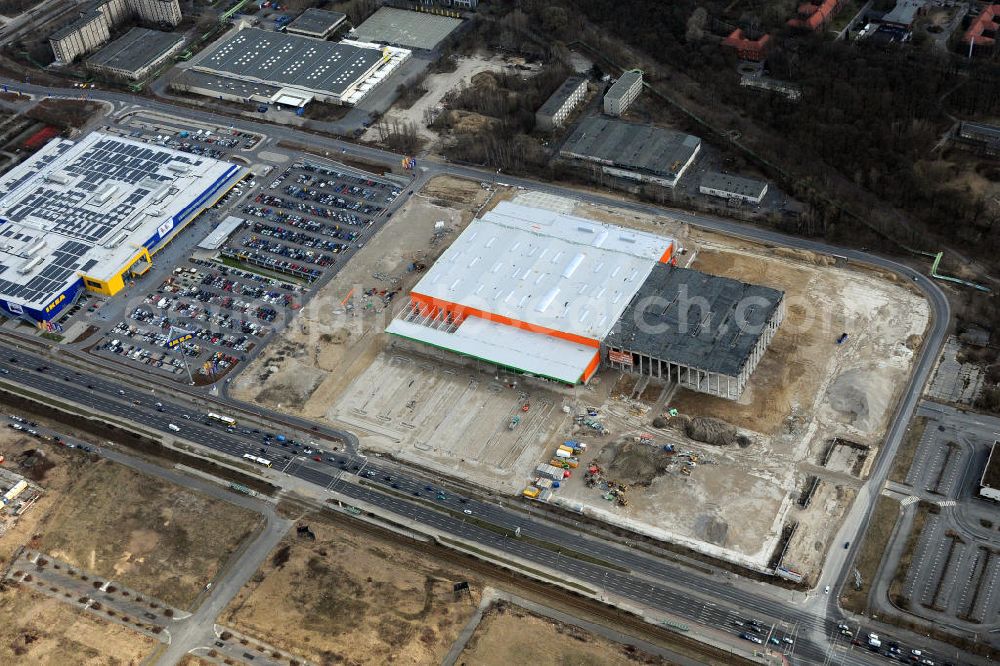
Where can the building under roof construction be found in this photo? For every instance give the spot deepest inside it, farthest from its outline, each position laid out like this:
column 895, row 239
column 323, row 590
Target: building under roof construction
column 83, row 215
column 703, row 332
column 540, row 292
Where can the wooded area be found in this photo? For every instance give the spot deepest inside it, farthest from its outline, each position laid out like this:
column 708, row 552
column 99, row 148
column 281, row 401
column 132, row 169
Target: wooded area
column 862, row 135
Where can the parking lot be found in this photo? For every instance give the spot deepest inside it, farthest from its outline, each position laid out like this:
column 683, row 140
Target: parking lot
column 299, row 222
column 228, row 312
column 211, row 141
column 954, row 571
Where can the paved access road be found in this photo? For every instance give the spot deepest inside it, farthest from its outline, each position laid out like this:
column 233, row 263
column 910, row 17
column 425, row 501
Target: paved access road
column 634, row 576
column 817, row 616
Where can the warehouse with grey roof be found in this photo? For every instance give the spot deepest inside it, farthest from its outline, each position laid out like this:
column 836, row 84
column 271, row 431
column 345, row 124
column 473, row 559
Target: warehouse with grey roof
column 303, row 69
column 136, row 54
column 402, row 27
column 727, row 186
column 635, row 152
column 318, row 23
column 703, row 332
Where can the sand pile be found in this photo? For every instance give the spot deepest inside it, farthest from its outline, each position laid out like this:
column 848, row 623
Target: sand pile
column 860, row 398
column 713, row 431
column 632, row 463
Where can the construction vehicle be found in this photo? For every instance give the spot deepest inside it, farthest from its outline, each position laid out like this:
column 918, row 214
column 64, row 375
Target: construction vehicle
column 526, row 406
column 531, row 492
column 513, row 422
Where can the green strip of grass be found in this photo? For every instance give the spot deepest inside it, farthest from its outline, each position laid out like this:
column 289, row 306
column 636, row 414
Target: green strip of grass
column 869, row 557
column 250, row 268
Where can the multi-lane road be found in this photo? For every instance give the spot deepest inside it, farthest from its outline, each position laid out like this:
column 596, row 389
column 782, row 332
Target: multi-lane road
column 648, row 581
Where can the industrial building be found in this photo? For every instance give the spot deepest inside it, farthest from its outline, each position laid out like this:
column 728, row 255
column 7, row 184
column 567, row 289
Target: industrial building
column 641, row 153
column 85, row 215
column 298, row 69
column 989, row 484
column 560, row 104
column 531, row 290
column 703, row 332
column 985, row 138
column 549, row 294
column 723, row 185
column 93, row 28
column 904, row 14
column 401, row 27
column 317, row 23
column 136, row 54
column 623, row 92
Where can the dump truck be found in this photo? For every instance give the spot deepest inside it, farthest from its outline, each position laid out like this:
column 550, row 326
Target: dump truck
column 513, row 422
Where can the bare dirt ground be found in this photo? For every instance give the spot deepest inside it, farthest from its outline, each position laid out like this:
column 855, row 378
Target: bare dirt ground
column 147, row 534
column 806, row 391
column 733, row 501
column 35, row 629
column 339, row 332
column 511, row 635
column 354, row 599
column 438, row 85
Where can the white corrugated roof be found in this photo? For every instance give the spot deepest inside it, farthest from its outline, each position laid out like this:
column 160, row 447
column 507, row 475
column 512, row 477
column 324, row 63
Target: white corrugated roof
column 545, row 268
column 540, row 355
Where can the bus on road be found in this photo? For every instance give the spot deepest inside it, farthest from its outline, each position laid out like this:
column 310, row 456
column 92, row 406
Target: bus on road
column 228, row 420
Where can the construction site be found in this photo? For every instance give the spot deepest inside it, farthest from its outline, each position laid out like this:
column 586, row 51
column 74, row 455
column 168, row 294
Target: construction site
column 786, row 451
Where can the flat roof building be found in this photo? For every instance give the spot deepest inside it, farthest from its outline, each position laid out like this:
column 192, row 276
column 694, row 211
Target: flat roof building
column 989, row 484
column 531, row 290
column 303, row 68
column 636, row 152
column 979, row 135
column 624, row 91
column 402, row 27
column 727, row 186
column 136, row 54
column 552, row 295
column 904, row 13
column 704, row 332
column 318, row 23
column 81, row 215
column 97, row 19
column 560, row 104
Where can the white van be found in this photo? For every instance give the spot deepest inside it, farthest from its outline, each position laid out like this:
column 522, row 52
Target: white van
column 173, row 427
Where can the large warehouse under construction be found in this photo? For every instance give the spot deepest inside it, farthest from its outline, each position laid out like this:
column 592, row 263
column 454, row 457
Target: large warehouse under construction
column 552, row 295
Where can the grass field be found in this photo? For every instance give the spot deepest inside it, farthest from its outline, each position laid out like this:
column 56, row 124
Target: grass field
column 38, row 630
column 354, row 599
column 907, row 449
column 876, row 540
column 152, row 536
column 512, row 635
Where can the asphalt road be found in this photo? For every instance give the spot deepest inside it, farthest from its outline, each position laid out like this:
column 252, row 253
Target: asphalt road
column 674, row 587
column 648, row 581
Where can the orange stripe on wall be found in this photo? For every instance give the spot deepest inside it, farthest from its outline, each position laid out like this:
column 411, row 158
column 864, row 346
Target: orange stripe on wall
column 429, row 304
column 592, row 367
column 669, row 252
